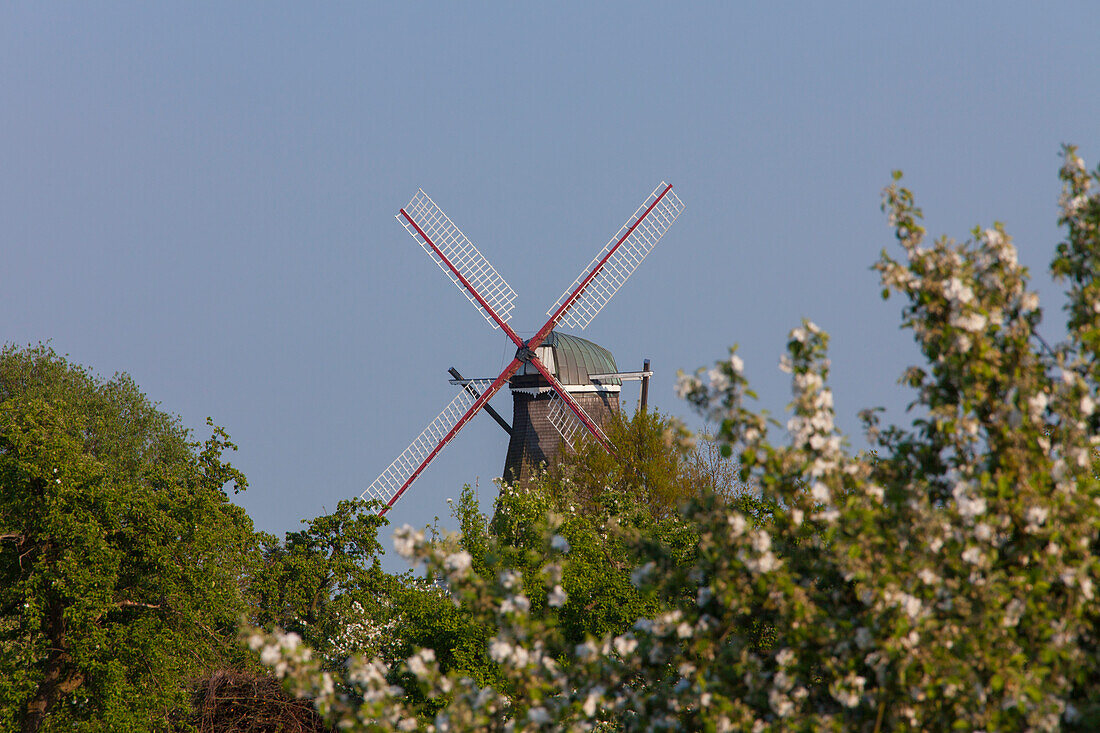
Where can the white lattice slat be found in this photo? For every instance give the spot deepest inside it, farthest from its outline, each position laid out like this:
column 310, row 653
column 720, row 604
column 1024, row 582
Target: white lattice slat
column 625, row 260
column 461, row 253
column 394, row 477
column 565, row 421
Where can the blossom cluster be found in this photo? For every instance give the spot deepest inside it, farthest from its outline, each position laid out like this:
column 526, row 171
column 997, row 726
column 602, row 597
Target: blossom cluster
column 944, row 578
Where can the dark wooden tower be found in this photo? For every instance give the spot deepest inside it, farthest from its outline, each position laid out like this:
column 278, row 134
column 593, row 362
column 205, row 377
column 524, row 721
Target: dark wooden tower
column 571, row 359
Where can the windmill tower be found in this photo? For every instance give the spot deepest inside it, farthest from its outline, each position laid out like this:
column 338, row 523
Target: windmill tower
column 546, row 374
column 535, row 439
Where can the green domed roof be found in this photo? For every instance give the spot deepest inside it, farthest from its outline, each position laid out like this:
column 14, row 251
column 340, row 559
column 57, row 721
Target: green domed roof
column 575, row 358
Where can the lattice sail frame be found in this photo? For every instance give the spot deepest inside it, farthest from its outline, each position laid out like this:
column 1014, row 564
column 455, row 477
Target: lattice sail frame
column 622, row 264
column 566, row 422
column 462, row 253
column 394, row 477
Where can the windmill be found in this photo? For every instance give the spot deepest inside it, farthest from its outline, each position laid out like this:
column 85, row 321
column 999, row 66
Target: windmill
column 479, row 281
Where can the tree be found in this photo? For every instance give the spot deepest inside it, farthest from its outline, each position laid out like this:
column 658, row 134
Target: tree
column 653, row 469
column 604, row 507
column 122, row 560
column 319, row 581
column 944, row 579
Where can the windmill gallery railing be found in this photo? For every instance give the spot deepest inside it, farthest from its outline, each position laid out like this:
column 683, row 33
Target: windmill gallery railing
column 483, row 286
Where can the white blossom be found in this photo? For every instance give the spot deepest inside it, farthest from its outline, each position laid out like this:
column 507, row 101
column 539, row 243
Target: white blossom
column 969, row 506
column 780, row 703
column 1075, row 204
column 587, row 651
column 418, row 663
column 590, row 703
column 737, row 525
column 849, row 691
column 686, row 384
column 719, row 380
column 458, row 563
column 515, row 604
column 972, row 322
column 406, row 540
column 1036, row 516
column 557, row 597
column 270, row 655
column 957, row 292
column 499, row 650
column 909, row 604
column 511, row 579
column 1037, row 404
column 625, row 644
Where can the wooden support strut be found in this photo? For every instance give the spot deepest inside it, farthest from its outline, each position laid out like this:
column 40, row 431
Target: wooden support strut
column 487, row 407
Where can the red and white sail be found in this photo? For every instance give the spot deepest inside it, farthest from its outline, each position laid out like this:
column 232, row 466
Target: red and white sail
column 619, row 258
column 386, row 486
column 570, row 425
column 458, row 258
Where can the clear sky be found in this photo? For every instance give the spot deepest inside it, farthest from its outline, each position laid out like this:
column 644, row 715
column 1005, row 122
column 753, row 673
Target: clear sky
column 203, row 195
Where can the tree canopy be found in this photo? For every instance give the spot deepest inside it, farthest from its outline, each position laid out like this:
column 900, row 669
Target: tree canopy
column 121, row 558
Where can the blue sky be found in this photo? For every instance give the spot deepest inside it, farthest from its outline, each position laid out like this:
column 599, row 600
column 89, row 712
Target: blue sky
column 203, row 195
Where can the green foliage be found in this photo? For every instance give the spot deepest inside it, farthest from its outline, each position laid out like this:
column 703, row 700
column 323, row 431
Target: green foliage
column 945, row 579
column 121, row 558
column 603, row 507
column 319, row 579
column 324, row 585
column 650, row 470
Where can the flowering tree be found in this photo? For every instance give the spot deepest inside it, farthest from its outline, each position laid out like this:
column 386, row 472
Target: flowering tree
column 324, row 582
column 944, row 579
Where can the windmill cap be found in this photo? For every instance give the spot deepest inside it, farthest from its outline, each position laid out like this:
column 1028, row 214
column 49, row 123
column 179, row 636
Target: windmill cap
column 571, row 359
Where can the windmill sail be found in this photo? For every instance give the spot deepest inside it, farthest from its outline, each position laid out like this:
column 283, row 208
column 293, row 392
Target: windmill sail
column 619, row 258
column 458, row 258
column 566, row 422
column 386, row 487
